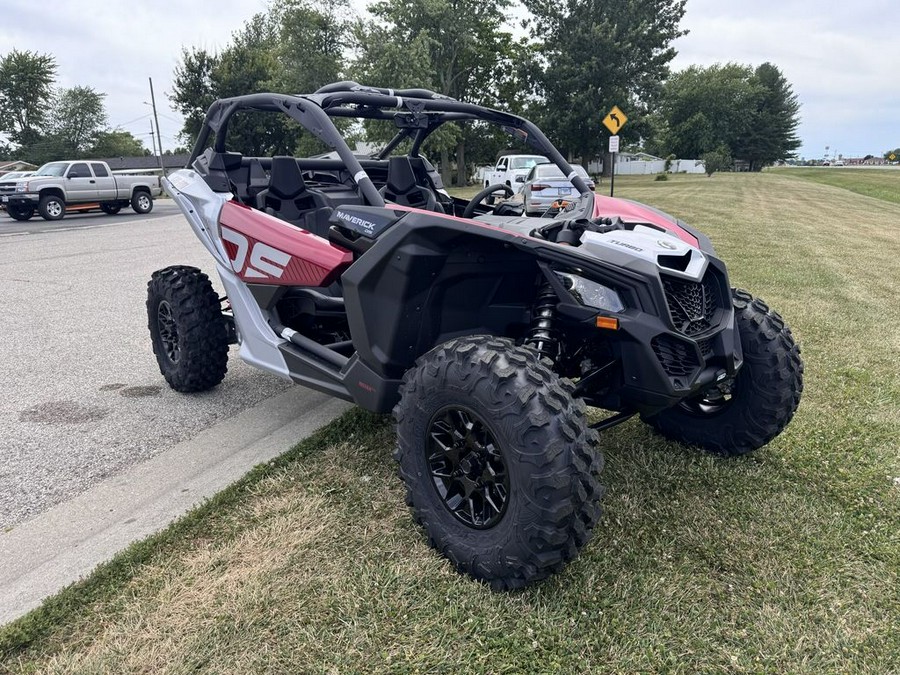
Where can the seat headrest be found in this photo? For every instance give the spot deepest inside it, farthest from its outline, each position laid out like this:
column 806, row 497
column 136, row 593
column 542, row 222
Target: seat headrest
column 286, row 179
column 224, row 161
column 400, row 175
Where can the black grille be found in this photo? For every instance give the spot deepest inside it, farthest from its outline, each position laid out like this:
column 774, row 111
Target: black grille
column 691, row 304
column 677, row 357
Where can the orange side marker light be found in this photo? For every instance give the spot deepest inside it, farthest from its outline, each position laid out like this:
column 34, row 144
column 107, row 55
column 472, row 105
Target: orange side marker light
column 608, row 322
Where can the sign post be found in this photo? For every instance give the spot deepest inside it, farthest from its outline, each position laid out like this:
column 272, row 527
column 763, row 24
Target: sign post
column 613, row 150
column 614, row 121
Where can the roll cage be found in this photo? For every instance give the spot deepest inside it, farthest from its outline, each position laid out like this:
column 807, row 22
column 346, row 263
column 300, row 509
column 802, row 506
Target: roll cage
column 417, row 113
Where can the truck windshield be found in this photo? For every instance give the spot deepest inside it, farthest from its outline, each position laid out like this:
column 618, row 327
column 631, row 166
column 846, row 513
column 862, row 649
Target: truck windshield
column 527, row 162
column 52, row 169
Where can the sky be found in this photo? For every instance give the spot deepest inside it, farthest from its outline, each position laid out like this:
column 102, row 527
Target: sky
column 840, row 57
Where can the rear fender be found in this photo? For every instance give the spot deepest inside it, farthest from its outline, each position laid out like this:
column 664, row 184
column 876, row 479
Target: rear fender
column 201, row 208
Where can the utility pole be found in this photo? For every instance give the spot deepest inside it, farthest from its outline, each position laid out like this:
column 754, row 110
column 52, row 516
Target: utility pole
column 152, row 138
column 158, row 136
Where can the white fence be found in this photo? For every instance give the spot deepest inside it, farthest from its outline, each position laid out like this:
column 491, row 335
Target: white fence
column 640, row 167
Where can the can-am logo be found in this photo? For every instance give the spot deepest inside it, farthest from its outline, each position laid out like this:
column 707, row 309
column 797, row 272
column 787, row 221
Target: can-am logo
column 265, row 261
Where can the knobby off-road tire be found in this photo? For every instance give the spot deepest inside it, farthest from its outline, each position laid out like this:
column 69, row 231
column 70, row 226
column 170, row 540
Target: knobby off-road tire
column 510, row 403
column 189, row 335
column 20, row 212
column 142, row 202
column 52, row 207
column 764, row 395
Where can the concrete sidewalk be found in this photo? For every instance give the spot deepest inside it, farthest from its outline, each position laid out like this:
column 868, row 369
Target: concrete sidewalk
column 61, row 545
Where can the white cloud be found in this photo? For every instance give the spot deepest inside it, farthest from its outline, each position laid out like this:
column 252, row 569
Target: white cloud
column 840, row 58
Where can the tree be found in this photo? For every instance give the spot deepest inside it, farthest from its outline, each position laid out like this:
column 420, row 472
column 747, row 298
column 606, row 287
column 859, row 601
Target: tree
column 753, row 113
column 74, row 123
column 705, row 108
column 117, row 143
column 895, row 153
column 26, row 89
column 596, row 54
column 716, row 160
column 773, row 119
column 77, row 117
column 455, row 47
column 295, row 47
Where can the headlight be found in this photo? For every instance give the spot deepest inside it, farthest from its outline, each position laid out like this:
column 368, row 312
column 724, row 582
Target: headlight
column 591, row 294
column 22, row 187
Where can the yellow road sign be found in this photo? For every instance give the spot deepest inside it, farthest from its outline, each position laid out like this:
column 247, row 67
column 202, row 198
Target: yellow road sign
column 892, row 157
column 615, row 120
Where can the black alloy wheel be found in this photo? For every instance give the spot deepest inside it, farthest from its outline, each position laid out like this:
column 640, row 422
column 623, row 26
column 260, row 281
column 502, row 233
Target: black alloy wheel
column 467, row 467
column 168, row 331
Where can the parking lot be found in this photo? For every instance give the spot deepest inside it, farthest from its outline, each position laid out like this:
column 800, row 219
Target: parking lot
column 81, row 397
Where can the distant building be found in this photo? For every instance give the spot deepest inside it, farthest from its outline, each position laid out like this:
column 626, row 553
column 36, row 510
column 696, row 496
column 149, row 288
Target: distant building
column 146, row 163
column 16, row 165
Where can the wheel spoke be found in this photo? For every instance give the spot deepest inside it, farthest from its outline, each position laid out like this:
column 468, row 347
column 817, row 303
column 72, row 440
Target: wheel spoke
column 467, row 467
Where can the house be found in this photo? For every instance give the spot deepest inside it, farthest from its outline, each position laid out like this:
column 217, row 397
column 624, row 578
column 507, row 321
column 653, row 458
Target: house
column 16, row 165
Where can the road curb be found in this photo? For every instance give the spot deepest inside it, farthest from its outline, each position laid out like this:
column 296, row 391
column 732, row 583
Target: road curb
column 65, row 543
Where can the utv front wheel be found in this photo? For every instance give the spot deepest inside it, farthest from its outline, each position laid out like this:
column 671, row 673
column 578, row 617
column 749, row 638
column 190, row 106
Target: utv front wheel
column 189, row 334
column 743, row 414
column 498, row 460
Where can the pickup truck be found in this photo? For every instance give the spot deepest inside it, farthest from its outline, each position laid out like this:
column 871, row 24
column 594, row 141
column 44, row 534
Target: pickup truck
column 511, row 170
column 60, row 187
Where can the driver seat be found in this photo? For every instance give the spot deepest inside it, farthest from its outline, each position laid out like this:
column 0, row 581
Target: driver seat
column 401, row 187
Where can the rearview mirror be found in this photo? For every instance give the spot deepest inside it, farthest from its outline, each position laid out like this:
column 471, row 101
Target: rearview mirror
column 73, row 174
column 520, row 179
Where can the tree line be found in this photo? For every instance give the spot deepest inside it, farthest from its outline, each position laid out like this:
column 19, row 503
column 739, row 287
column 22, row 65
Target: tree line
column 566, row 64
column 43, row 122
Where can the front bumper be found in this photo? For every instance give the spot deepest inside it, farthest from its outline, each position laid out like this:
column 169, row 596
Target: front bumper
column 659, row 364
column 20, row 199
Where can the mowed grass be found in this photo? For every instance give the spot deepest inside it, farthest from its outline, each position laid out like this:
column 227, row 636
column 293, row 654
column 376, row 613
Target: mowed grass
column 879, row 183
column 785, row 561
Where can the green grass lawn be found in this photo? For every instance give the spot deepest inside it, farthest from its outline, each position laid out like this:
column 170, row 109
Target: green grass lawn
column 879, row 183
column 785, row 561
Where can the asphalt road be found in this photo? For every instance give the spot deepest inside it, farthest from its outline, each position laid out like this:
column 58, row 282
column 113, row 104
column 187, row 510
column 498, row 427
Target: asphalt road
column 81, row 397
column 74, row 221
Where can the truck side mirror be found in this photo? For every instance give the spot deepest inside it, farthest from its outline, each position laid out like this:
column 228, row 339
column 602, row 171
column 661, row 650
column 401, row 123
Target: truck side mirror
column 72, row 174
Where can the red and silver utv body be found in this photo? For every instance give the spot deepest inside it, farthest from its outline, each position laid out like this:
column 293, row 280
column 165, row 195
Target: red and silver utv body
column 484, row 331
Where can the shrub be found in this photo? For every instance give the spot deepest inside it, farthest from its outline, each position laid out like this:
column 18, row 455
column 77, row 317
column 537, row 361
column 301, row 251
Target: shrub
column 717, row 160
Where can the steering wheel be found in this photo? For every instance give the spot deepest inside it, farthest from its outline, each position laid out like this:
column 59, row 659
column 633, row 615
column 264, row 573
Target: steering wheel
column 489, row 190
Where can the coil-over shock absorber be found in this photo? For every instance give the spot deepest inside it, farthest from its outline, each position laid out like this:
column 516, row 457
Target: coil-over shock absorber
column 543, row 336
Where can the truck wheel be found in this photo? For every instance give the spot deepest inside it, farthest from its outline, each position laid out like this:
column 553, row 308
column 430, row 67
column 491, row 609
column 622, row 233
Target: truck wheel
column 142, row 202
column 190, row 338
column 51, row 207
column 110, row 209
column 498, row 460
column 740, row 415
column 20, row 212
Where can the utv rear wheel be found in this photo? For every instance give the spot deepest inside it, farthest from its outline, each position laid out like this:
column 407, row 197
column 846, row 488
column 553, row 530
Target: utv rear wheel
column 51, row 207
column 743, row 414
column 498, row 460
column 189, row 334
column 142, row 202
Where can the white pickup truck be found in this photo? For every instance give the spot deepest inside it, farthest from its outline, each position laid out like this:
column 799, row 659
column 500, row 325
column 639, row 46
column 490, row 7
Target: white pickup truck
column 58, row 188
column 511, row 170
